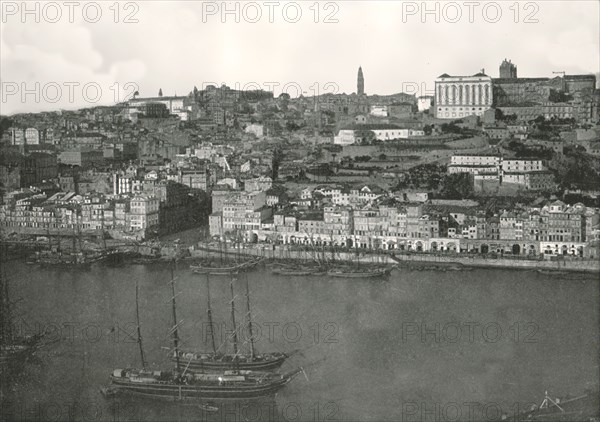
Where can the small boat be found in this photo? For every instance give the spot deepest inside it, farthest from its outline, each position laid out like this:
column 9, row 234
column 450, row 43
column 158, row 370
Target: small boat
column 359, row 273
column 293, row 272
column 585, row 407
column 224, row 270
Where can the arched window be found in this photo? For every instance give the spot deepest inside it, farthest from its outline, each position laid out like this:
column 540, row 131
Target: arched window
column 487, row 94
column 467, row 96
column 479, row 95
column 453, row 94
column 460, row 94
column 446, row 95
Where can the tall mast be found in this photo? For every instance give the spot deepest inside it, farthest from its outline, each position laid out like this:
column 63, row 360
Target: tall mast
column 235, row 339
column 7, row 332
column 209, row 313
column 102, row 234
column 139, row 330
column 175, row 333
column 249, row 320
column 79, row 237
column 332, row 248
column 74, row 238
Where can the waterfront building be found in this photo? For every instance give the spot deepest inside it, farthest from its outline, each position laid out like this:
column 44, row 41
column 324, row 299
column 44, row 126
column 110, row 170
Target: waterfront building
column 144, row 212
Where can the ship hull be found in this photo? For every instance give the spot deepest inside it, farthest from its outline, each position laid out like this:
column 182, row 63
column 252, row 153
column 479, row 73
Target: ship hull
column 199, row 269
column 264, row 365
column 185, row 392
column 343, row 274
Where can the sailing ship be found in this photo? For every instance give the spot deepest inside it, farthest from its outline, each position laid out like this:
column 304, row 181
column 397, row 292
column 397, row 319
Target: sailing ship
column 210, row 361
column 585, row 407
column 181, row 384
column 358, row 271
column 75, row 257
column 14, row 347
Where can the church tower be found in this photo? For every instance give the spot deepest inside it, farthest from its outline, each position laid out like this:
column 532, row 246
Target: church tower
column 360, row 83
column 508, row 70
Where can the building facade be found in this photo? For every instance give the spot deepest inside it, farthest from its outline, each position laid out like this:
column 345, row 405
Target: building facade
column 462, row 96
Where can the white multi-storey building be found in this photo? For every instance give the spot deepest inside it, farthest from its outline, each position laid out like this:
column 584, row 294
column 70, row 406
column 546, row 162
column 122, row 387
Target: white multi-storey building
column 424, row 102
column 144, row 212
column 379, row 110
column 381, row 133
column 462, row 96
column 521, row 166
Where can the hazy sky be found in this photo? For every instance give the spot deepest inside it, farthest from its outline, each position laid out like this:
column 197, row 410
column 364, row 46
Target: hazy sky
column 176, row 45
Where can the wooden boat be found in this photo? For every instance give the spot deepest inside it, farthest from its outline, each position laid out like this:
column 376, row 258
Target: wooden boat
column 359, row 273
column 187, row 386
column 215, row 361
column 181, row 384
column 224, row 270
column 292, row 272
column 585, row 407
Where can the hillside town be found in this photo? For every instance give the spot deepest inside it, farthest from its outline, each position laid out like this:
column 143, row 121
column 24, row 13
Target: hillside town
column 299, row 211
column 506, row 165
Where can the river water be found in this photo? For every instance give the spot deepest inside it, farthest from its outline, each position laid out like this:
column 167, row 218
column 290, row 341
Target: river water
column 419, row 346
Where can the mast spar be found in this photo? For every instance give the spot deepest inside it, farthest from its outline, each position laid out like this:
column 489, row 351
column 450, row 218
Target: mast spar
column 235, row 338
column 209, row 313
column 175, row 333
column 139, row 330
column 252, row 352
column 5, row 311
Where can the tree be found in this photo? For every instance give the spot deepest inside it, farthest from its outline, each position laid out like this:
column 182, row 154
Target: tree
column 451, row 128
column 428, row 129
column 160, row 92
column 457, row 186
column 365, row 137
column 291, row 126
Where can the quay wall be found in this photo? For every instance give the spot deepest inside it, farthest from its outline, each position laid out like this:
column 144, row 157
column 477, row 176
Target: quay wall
column 281, row 252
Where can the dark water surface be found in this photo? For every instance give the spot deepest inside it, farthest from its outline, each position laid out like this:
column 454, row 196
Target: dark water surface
column 421, row 346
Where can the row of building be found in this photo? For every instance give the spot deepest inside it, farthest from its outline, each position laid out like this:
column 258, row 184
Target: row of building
column 527, row 174
column 566, row 97
column 369, row 218
column 155, row 206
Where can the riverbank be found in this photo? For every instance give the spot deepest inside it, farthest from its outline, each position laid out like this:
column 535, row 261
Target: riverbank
column 283, row 252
